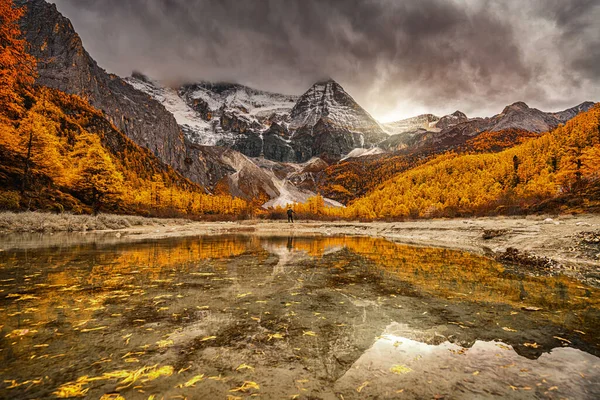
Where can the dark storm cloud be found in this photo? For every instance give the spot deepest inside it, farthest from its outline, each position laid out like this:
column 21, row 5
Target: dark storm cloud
column 394, row 57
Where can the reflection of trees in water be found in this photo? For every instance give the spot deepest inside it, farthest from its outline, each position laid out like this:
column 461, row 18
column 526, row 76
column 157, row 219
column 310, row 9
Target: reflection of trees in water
column 437, row 271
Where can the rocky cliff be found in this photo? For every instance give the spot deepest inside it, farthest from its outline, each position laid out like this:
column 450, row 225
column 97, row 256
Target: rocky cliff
column 64, row 64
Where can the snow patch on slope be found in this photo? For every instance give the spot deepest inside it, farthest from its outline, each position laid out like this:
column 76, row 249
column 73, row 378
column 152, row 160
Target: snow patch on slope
column 251, row 105
column 361, row 152
column 186, row 117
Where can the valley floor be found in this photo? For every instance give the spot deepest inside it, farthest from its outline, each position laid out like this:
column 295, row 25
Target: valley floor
column 558, row 239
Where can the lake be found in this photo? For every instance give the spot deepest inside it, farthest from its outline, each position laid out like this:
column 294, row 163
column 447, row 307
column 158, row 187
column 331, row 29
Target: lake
column 323, row 317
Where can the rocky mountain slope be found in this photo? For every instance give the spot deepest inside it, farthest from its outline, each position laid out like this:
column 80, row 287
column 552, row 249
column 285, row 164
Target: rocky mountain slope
column 323, row 122
column 151, row 115
column 455, row 129
column 64, row 64
column 217, row 113
column 423, row 121
column 326, row 122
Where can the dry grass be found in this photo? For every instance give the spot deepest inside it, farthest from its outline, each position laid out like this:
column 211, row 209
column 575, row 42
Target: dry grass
column 48, row 222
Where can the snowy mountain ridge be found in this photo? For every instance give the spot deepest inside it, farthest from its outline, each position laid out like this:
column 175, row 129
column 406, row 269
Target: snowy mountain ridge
column 212, row 113
column 327, row 99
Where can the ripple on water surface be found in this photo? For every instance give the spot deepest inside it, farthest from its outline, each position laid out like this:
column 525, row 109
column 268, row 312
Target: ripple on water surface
column 289, row 317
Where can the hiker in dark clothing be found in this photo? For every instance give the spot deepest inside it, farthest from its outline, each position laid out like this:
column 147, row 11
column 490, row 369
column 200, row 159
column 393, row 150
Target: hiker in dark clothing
column 290, row 214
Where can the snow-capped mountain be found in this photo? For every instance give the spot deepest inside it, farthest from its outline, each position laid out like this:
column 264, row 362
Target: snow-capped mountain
column 323, row 122
column 326, row 122
column 217, row 113
column 327, row 100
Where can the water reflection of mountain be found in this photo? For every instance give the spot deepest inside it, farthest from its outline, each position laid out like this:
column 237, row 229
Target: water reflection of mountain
column 424, row 369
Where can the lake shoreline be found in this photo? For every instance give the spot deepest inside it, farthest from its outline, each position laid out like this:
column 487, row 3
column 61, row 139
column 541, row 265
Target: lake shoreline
column 557, row 240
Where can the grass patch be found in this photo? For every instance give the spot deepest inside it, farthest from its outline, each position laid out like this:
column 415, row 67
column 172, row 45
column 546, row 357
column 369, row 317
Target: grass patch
column 48, row 222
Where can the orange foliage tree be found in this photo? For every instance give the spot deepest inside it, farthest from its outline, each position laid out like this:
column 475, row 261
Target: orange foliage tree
column 96, row 175
column 17, row 67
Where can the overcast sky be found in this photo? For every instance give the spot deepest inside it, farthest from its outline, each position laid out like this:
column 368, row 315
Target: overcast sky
column 397, row 58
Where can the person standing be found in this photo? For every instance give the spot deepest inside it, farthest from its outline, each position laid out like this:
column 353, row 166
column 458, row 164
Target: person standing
column 290, row 214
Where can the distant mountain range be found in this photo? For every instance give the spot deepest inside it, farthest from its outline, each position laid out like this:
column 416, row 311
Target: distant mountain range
column 324, row 122
column 268, row 145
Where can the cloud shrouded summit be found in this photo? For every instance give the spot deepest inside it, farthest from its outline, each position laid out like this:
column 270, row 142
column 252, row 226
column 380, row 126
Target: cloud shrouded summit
column 397, row 58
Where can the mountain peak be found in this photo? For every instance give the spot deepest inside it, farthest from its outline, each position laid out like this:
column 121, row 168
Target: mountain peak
column 518, row 106
column 328, row 100
column 325, row 81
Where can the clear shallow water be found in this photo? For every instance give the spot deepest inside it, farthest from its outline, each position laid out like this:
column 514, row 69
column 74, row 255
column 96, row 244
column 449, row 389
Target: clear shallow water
column 278, row 317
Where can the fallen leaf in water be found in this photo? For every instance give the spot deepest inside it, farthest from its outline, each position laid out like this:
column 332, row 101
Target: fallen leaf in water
column 204, row 339
column 244, row 366
column 239, row 296
column 112, row 396
column 583, row 333
column 513, row 387
column 192, row 382
column 361, row 387
column 400, row 369
column 531, row 308
column 71, row 389
column 553, row 388
column 41, row 345
column 400, row 391
column 20, row 332
column 507, row 329
column 309, row 333
column 532, row 345
column 144, row 374
column 133, row 353
column 164, row 343
column 247, row 385
column 99, row 328
column 127, row 337
column 30, row 382
column 275, row 336
column 562, row 339
column 476, row 373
